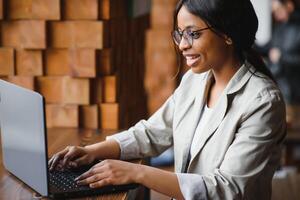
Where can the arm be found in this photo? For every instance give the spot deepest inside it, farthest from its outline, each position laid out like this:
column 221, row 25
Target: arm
column 148, row 137
column 115, row 172
column 168, row 182
column 109, row 149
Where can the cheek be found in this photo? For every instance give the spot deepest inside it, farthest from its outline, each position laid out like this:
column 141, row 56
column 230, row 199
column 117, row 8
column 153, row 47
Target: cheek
column 213, row 52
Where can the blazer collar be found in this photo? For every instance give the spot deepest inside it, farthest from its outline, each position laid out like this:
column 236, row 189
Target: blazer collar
column 219, row 111
column 240, row 78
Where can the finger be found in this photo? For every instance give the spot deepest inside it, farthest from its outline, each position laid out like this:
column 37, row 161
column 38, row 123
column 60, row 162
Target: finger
column 80, row 161
column 100, row 183
column 84, row 175
column 55, row 158
column 70, row 155
column 92, row 179
column 89, row 173
column 50, row 161
column 99, row 164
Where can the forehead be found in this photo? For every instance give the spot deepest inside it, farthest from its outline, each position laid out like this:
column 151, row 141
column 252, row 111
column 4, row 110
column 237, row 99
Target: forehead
column 185, row 19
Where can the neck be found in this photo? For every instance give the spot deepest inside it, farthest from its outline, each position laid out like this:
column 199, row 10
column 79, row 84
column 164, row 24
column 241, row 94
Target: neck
column 222, row 75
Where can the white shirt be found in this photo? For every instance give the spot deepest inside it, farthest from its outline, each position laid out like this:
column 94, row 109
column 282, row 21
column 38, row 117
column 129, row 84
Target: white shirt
column 201, row 125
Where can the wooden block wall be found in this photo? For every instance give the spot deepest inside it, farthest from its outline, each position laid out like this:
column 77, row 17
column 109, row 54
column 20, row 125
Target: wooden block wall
column 86, row 57
column 81, row 9
column 34, row 9
column 7, row 61
column 1, row 9
column 161, row 66
column 24, row 34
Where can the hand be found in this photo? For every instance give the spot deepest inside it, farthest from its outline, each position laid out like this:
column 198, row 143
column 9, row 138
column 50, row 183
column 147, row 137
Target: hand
column 274, row 55
column 110, row 172
column 71, row 157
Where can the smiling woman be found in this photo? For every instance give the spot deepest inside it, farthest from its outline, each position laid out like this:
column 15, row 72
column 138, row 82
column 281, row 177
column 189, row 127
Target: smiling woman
column 226, row 120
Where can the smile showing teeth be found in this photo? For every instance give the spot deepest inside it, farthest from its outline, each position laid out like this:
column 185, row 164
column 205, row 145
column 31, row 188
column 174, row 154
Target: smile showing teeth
column 191, row 57
column 191, row 60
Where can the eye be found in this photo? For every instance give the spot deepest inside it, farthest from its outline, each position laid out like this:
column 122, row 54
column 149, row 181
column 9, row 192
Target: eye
column 194, row 34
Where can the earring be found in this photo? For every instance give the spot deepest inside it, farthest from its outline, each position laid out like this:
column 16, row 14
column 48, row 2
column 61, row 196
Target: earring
column 228, row 41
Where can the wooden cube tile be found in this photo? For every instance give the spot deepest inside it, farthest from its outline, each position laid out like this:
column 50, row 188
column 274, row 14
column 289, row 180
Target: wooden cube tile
column 109, row 89
column 57, row 62
column 7, row 63
column 66, row 116
column 64, row 90
column 110, row 9
column 24, row 34
column 29, row 63
column 162, row 39
column 105, row 9
column 158, row 22
column 109, row 116
column 96, row 91
column 77, row 34
column 1, row 9
column 77, row 91
column 105, row 62
column 23, row 81
column 80, row 9
column 72, row 62
column 34, row 9
column 51, row 88
column 89, row 116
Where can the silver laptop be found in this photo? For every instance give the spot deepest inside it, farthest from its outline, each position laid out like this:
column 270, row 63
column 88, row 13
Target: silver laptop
column 24, row 146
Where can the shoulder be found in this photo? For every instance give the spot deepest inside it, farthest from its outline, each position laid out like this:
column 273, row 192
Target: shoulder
column 262, row 99
column 190, row 85
column 190, row 78
column 262, row 87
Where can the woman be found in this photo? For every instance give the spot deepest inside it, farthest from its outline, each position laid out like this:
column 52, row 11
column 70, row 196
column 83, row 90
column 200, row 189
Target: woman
column 226, row 119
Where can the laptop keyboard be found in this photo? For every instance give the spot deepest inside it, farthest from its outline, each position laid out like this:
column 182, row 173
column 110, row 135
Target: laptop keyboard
column 65, row 180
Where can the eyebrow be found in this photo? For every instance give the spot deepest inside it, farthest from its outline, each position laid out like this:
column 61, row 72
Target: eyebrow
column 190, row 26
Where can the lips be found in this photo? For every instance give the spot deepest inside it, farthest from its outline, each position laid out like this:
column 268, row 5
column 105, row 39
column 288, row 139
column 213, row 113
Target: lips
column 191, row 59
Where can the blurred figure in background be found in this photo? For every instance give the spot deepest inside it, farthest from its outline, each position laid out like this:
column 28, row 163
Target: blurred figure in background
column 283, row 52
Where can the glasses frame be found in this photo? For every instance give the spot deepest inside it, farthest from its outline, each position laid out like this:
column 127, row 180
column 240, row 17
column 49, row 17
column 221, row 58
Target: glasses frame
column 184, row 34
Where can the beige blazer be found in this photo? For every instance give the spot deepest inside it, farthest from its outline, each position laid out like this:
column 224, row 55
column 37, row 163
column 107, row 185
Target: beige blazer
column 238, row 151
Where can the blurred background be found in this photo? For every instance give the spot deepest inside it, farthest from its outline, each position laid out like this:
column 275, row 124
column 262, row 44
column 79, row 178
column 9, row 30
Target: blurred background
column 105, row 64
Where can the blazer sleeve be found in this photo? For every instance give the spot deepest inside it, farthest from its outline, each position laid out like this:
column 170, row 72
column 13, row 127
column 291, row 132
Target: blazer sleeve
column 256, row 147
column 148, row 137
column 153, row 136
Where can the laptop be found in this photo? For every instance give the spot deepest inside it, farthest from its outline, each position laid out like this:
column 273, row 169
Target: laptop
column 24, row 147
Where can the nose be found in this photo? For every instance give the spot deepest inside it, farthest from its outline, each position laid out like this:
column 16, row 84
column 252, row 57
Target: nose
column 184, row 44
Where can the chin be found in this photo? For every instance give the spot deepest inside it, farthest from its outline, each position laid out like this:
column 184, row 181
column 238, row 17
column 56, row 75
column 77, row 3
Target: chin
column 199, row 70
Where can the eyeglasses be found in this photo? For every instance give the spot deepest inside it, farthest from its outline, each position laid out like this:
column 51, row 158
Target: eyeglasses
column 187, row 34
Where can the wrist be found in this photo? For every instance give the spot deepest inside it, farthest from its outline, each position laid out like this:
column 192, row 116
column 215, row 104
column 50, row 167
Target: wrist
column 90, row 151
column 140, row 173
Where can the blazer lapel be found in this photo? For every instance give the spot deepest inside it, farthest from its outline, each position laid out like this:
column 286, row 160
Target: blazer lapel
column 213, row 123
column 194, row 117
column 219, row 111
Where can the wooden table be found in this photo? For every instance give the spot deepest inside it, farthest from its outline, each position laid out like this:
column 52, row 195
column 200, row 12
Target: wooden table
column 11, row 188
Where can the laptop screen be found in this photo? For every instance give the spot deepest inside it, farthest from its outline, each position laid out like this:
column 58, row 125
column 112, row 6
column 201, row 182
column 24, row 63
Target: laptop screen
column 23, row 135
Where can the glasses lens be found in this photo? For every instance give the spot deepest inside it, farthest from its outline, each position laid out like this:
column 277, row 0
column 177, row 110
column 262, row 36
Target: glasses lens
column 176, row 37
column 189, row 35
